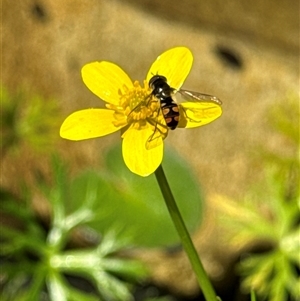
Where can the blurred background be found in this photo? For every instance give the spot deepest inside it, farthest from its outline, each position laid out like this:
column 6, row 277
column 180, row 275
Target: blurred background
column 245, row 164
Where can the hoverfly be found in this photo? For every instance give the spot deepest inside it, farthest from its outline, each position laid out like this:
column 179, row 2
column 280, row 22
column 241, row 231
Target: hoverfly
column 197, row 110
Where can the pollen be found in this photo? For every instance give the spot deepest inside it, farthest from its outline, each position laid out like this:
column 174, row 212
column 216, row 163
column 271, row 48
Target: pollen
column 137, row 104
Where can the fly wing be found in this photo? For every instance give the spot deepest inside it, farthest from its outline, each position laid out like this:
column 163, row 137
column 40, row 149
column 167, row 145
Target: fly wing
column 197, row 96
column 199, row 109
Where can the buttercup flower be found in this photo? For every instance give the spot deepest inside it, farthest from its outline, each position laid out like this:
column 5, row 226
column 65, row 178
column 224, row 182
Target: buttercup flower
column 132, row 109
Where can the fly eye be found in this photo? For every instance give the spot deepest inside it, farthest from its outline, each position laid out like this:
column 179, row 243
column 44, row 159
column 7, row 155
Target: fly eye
column 152, row 81
column 161, row 77
column 156, row 80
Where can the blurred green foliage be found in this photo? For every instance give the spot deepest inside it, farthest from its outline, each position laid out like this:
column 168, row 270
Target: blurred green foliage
column 135, row 204
column 28, row 119
column 274, row 274
column 113, row 202
column 253, row 297
column 269, row 214
column 35, row 260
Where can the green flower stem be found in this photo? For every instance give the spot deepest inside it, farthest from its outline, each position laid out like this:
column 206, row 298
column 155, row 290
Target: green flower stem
column 183, row 233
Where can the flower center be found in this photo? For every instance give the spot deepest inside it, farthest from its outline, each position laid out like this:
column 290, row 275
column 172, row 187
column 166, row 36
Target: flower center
column 138, row 105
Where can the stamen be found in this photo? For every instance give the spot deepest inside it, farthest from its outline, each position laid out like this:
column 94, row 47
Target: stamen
column 136, row 103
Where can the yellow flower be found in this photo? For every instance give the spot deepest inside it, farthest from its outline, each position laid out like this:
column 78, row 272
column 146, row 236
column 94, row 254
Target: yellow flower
column 132, row 109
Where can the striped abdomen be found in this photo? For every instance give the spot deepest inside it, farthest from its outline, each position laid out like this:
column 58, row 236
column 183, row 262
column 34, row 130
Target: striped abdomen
column 170, row 111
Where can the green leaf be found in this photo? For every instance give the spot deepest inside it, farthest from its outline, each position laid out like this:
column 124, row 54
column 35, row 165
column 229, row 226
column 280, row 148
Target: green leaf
column 135, row 204
column 57, row 287
column 253, row 298
column 110, row 287
column 128, row 269
column 76, row 295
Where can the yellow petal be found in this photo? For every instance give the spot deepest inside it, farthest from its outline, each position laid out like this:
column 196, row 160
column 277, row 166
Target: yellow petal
column 90, row 123
column 194, row 114
column 105, row 79
column 138, row 159
column 175, row 64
